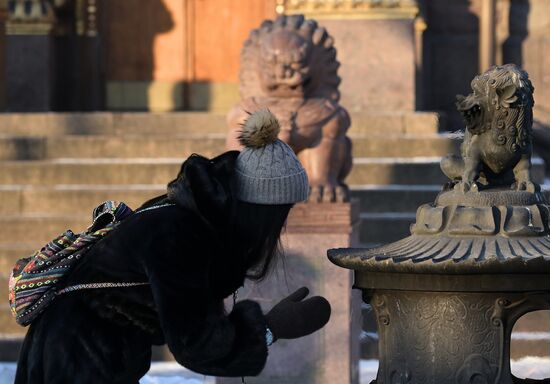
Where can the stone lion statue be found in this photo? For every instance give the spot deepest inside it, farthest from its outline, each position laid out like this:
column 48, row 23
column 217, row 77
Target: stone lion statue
column 289, row 66
column 497, row 146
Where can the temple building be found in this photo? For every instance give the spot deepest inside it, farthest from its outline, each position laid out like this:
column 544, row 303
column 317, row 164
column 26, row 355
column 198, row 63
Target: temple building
column 168, row 55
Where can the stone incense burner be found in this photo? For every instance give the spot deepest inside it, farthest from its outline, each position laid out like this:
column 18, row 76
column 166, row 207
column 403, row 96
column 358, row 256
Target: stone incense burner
column 447, row 297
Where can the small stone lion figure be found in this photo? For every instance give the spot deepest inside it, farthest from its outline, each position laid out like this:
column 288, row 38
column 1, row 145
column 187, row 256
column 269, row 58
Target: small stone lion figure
column 497, row 145
column 289, row 66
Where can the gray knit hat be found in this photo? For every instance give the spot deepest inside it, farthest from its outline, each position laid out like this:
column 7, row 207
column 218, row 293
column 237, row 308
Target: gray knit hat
column 267, row 170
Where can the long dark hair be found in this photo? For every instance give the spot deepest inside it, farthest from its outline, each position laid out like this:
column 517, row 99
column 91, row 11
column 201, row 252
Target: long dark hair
column 257, row 231
column 251, row 232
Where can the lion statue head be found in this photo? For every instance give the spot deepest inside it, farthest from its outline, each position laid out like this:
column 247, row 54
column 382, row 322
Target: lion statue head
column 289, row 57
column 501, row 102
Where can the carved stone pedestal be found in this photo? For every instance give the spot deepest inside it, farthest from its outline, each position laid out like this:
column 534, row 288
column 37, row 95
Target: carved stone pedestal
column 478, row 258
column 331, row 355
column 447, row 297
column 449, row 337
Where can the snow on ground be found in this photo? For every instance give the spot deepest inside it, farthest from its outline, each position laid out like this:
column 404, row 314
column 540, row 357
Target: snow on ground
column 367, row 370
column 172, row 373
column 7, row 373
column 531, row 367
column 160, row 373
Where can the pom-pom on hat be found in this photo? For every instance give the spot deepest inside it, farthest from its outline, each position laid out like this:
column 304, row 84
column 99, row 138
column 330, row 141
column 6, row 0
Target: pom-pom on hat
column 267, row 171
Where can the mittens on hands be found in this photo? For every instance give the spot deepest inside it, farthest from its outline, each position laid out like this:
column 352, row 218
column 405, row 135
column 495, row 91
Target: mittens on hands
column 294, row 317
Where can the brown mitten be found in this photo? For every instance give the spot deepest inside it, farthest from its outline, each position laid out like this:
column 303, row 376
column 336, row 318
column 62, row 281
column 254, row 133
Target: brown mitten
column 294, row 317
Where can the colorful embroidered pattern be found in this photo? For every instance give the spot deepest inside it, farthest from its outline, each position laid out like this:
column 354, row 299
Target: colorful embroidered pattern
column 33, row 282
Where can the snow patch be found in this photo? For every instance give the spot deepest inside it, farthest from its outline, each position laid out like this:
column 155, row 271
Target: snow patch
column 172, row 373
column 531, row 367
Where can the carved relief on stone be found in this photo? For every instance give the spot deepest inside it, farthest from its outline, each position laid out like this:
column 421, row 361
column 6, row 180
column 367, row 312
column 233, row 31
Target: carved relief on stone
column 289, row 66
column 497, row 144
column 30, row 17
column 454, row 328
column 58, row 17
column 345, row 6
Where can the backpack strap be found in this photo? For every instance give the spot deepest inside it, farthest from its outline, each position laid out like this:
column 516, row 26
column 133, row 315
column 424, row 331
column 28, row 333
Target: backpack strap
column 109, row 212
column 115, row 213
column 79, row 287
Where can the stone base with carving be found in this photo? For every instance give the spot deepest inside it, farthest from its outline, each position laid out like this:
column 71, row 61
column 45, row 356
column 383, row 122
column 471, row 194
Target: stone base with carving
column 331, row 355
column 447, row 297
column 449, row 337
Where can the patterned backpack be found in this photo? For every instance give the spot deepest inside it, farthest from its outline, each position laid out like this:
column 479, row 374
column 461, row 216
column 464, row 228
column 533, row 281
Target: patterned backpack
column 34, row 281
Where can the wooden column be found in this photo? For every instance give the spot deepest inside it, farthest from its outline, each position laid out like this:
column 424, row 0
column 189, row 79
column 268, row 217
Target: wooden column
column 3, row 17
column 420, row 26
column 487, row 35
column 30, row 56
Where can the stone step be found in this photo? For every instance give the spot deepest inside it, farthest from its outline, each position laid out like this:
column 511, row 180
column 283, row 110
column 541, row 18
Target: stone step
column 34, row 228
column 81, row 199
column 209, row 145
column 31, row 231
column 538, row 321
column 416, row 170
column 383, row 228
column 50, row 124
column 71, row 199
column 89, row 171
column 524, row 348
column 101, row 146
column 397, row 123
column 405, row 146
column 410, row 171
column 531, row 335
column 395, row 198
column 392, row 197
column 10, row 253
column 110, row 123
column 39, row 228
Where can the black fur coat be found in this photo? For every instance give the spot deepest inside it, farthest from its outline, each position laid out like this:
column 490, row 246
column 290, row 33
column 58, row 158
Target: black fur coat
column 105, row 335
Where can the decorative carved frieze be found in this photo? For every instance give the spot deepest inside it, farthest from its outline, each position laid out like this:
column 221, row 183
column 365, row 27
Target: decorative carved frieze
column 350, row 8
column 30, row 17
column 59, row 17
